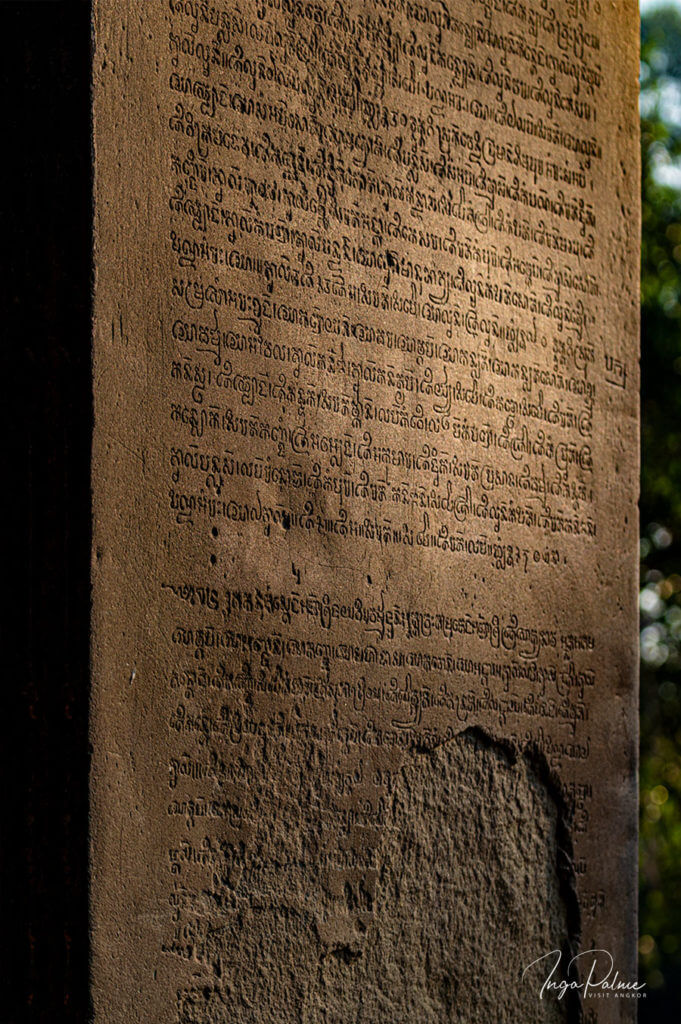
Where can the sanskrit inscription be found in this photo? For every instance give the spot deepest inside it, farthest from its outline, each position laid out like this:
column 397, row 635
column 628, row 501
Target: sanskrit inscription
column 364, row 489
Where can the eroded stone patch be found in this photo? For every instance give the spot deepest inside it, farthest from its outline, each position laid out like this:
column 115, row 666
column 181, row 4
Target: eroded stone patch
column 471, row 888
column 467, row 885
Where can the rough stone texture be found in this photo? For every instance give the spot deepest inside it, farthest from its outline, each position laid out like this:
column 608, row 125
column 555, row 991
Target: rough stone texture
column 364, row 620
column 473, row 835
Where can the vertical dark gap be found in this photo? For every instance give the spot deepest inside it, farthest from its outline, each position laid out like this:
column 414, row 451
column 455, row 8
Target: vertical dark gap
column 46, row 239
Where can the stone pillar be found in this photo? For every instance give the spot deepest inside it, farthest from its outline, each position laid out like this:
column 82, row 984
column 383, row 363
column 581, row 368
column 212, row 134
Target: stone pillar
column 365, row 531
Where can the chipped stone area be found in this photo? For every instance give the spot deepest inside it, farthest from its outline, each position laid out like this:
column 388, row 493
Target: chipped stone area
column 470, row 883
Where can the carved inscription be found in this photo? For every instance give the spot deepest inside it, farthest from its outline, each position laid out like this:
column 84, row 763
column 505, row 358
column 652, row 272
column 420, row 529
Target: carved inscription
column 372, row 486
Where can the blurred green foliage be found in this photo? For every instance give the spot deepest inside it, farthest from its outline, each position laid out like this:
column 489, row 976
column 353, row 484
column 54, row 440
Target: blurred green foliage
column 660, row 597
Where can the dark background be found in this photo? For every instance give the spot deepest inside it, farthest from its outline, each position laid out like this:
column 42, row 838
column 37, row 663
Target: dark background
column 45, row 231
